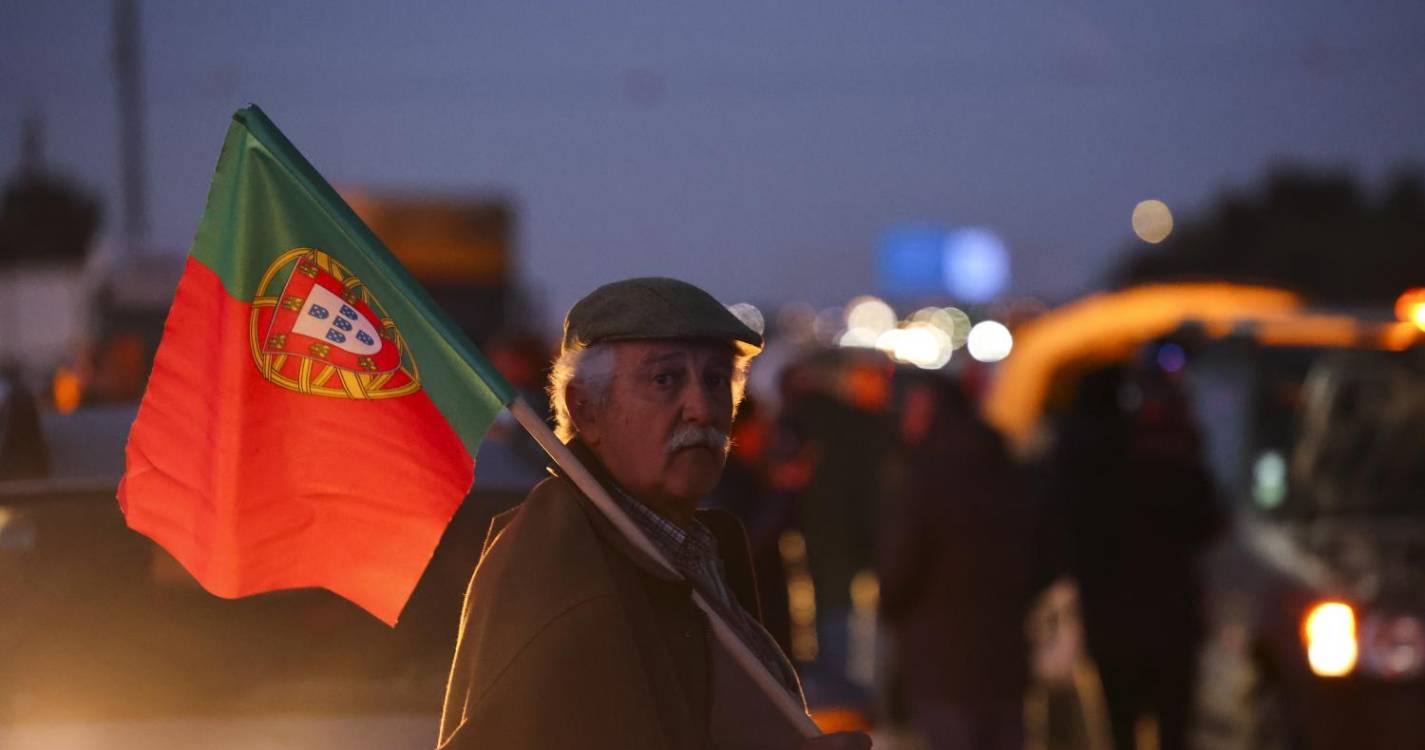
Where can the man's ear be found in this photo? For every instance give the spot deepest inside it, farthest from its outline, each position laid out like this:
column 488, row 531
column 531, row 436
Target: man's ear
column 586, row 423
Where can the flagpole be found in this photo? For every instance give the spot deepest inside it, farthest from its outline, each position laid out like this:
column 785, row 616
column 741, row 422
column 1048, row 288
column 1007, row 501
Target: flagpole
column 575, row 470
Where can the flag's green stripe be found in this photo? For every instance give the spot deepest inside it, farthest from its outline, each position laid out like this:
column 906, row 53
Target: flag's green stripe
column 266, row 199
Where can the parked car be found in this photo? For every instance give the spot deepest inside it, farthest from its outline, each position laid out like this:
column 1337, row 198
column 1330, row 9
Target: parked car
column 1314, row 422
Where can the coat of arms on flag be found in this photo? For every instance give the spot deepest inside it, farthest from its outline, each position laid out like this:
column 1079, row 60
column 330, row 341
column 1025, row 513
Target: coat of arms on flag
column 315, row 328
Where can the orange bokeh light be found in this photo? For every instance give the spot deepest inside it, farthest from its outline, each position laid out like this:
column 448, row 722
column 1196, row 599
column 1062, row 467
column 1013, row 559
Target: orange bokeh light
column 1329, row 632
column 68, row 390
column 1410, row 307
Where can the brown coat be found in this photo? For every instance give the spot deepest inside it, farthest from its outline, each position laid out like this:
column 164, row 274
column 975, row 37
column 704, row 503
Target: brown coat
column 572, row 638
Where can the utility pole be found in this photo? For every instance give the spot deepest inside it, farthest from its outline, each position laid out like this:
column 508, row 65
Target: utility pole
column 32, row 145
column 128, row 72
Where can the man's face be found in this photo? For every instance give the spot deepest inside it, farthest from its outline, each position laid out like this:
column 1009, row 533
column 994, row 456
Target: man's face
column 664, row 393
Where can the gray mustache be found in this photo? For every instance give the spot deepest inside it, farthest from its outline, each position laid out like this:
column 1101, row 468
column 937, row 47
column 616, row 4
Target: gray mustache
column 698, row 436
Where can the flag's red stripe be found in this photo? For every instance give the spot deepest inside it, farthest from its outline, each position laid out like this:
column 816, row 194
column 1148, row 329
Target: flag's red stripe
column 254, row 487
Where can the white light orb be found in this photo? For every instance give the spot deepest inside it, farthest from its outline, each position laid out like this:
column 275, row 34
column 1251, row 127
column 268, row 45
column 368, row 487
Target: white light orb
column 888, row 341
column 990, row 341
column 960, row 326
column 1152, row 221
column 749, row 315
column 924, row 346
column 871, row 313
column 858, row 337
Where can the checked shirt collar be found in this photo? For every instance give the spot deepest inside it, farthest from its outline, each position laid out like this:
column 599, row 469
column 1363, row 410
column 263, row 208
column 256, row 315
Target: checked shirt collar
column 693, row 551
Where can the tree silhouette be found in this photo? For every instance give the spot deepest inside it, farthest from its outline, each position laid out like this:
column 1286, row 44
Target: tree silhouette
column 1317, row 233
column 45, row 220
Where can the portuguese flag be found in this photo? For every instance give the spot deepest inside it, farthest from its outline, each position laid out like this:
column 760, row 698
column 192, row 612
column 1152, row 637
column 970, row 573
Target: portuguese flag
column 312, row 417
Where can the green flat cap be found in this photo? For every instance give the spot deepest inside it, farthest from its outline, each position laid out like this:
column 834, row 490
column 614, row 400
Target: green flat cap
column 654, row 308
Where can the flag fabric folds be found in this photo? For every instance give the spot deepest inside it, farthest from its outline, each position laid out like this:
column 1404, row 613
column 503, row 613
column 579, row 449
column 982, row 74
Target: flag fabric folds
column 312, row 417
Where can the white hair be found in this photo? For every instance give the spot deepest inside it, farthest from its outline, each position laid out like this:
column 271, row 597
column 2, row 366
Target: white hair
column 592, row 370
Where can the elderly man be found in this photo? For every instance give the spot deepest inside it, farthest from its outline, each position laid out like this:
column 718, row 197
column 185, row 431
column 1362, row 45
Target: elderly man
column 571, row 637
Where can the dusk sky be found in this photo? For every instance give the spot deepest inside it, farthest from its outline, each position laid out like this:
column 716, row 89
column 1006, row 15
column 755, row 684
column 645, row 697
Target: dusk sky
column 757, row 149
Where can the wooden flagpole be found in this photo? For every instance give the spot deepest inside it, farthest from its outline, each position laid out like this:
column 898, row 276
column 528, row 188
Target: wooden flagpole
column 539, row 430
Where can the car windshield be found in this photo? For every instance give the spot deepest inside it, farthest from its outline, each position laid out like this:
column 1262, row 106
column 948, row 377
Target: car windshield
column 1338, row 432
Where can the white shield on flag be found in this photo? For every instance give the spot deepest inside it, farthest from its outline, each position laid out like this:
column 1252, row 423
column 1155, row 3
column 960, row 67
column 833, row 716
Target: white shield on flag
column 328, row 317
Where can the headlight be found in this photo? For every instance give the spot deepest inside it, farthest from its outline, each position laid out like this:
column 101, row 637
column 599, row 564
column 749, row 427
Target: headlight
column 1329, row 633
column 1393, row 646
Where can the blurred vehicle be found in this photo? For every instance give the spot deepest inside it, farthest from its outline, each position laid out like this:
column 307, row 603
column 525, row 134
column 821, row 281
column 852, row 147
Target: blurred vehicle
column 106, row 641
column 1314, row 423
column 1331, row 506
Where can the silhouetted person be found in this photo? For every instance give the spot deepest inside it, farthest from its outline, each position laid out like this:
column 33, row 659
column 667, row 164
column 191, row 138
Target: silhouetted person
column 1138, row 499
column 956, row 574
column 845, row 434
column 745, row 491
column 24, row 453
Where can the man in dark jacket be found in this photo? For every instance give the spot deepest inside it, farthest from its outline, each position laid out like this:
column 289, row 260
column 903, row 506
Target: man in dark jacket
column 956, row 573
column 571, row 636
column 1133, row 483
